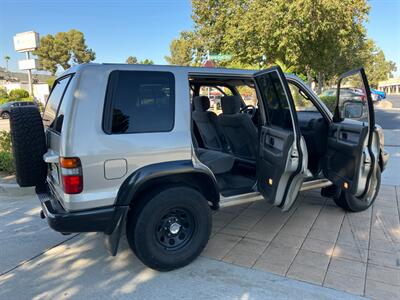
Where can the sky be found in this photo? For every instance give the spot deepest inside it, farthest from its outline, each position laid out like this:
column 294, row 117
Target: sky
column 144, row 28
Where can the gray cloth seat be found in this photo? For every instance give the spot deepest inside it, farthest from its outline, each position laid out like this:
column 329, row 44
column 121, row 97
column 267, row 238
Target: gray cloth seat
column 207, row 124
column 218, row 162
column 238, row 128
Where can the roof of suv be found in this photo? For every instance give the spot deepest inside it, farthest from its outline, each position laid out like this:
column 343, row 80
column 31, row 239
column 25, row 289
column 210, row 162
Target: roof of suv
column 195, row 70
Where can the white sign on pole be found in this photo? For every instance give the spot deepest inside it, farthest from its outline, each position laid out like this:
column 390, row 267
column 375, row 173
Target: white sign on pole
column 26, row 41
column 28, row 64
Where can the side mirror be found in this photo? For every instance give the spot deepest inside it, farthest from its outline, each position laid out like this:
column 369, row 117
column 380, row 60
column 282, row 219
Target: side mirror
column 353, row 110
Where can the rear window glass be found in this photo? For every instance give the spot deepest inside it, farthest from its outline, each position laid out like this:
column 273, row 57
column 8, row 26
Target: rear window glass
column 54, row 101
column 141, row 101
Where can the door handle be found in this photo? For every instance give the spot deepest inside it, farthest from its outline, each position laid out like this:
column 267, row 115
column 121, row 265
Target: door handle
column 271, row 141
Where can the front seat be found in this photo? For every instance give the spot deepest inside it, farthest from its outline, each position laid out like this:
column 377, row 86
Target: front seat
column 238, row 128
column 207, row 124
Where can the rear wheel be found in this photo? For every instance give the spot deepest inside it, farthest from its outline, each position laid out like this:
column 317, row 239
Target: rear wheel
column 169, row 228
column 352, row 203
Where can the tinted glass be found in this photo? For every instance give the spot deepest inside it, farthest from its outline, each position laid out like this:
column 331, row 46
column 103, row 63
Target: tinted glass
column 142, row 101
column 275, row 98
column 352, row 98
column 54, row 101
column 300, row 99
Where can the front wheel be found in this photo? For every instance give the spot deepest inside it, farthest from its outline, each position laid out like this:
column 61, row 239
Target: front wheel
column 351, row 203
column 169, row 228
column 5, row 115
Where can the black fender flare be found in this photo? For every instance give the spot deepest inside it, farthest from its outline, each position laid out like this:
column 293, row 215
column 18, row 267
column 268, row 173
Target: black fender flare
column 135, row 182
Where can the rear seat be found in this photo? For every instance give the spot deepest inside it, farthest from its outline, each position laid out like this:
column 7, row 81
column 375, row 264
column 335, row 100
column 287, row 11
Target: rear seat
column 218, row 162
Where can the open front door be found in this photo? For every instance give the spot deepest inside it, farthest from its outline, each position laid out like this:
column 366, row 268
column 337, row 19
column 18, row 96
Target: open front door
column 352, row 154
column 282, row 153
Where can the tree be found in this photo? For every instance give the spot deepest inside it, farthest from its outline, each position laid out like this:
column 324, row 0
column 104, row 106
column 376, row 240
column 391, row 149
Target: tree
column 146, row 61
column 6, row 59
column 317, row 38
column 133, row 60
column 182, row 50
column 63, row 49
column 377, row 67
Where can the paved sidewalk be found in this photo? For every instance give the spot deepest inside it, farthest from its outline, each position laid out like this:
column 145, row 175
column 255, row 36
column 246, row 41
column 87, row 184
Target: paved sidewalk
column 316, row 242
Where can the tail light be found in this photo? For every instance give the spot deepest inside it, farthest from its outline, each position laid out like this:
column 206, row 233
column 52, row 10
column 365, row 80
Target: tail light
column 71, row 175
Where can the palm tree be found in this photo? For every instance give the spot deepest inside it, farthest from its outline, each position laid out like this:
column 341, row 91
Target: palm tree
column 7, row 58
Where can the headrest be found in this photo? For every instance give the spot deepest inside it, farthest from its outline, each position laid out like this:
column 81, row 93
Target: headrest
column 201, row 103
column 230, row 104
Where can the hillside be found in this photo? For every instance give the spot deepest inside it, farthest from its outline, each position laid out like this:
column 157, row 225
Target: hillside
column 23, row 76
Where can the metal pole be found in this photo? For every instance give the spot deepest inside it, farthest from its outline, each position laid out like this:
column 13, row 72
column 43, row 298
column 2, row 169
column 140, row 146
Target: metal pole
column 29, row 76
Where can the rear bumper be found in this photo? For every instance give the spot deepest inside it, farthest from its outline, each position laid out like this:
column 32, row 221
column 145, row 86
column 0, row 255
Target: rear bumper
column 93, row 220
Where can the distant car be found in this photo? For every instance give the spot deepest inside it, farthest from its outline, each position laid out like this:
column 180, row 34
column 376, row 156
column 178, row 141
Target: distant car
column 6, row 107
column 347, row 93
column 381, row 95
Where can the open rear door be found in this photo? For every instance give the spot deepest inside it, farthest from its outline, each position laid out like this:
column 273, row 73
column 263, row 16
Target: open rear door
column 352, row 148
column 282, row 153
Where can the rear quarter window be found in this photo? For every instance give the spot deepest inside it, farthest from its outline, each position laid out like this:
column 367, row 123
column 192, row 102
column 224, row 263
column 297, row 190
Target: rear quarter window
column 54, row 102
column 139, row 101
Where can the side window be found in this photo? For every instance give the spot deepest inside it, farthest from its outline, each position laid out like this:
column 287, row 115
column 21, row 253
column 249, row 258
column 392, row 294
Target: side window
column 54, row 101
column 300, row 98
column 141, row 101
column 275, row 98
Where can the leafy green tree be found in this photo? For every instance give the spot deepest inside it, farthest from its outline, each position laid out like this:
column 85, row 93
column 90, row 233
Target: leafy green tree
column 131, row 60
column 186, row 50
column 378, row 68
column 134, row 60
column 317, row 38
column 146, row 61
column 63, row 49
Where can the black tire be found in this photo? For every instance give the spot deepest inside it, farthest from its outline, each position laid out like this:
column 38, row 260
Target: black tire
column 352, row 203
column 5, row 115
column 29, row 145
column 148, row 221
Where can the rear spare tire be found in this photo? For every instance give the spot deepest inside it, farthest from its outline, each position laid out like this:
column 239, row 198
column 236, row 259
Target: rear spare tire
column 29, row 145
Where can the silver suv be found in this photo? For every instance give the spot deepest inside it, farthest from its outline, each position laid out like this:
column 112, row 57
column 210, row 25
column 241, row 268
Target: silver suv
column 139, row 146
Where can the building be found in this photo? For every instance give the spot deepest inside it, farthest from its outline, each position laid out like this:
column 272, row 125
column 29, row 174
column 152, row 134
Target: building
column 390, row 86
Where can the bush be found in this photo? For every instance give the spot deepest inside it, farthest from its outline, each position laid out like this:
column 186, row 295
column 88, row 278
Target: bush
column 6, row 162
column 18, row 94
column 50, row 82
column 330, row 102
column 6, row 157
column 3, row 93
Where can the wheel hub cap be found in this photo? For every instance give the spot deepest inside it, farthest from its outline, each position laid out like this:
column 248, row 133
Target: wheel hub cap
column 174, row 228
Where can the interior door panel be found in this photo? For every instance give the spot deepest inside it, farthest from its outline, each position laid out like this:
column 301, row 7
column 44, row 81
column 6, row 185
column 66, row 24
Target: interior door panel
column 275, row 144
column 351, row 160
column 280, row 162
column 345, row 143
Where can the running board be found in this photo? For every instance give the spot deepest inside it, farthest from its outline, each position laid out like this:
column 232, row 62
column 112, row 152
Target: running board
column 306, row 186
column 315, row 184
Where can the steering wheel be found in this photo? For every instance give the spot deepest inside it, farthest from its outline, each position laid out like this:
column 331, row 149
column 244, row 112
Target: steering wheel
column 249, row 109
